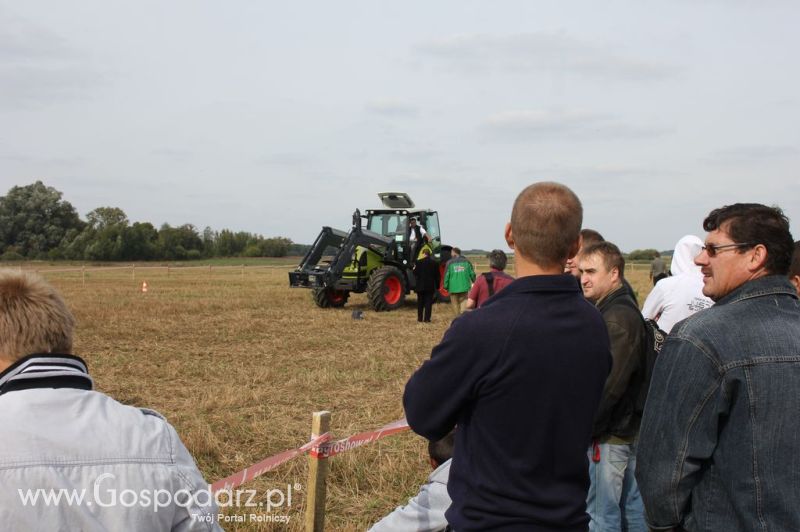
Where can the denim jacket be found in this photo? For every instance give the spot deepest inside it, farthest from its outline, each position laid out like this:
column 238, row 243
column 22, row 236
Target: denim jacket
column 719, row 446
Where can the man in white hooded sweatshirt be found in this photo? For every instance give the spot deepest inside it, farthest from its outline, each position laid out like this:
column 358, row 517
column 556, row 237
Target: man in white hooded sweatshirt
column 678, row 297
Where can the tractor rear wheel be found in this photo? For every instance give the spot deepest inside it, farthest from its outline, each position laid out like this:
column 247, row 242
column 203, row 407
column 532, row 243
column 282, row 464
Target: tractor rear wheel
column 386, row 288
column 328, row 297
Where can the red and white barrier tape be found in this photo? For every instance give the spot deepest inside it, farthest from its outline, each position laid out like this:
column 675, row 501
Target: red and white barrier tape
column 319, row 447
column 268, row 464
column 326, row 450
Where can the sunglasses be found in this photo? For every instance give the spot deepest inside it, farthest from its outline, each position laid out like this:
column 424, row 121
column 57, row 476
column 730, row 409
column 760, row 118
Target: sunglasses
column 713, row 250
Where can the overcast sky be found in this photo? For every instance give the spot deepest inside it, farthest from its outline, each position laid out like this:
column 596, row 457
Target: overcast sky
column 280, row 117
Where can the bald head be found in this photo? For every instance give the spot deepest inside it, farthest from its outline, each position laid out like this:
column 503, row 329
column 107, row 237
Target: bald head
column 546, row 223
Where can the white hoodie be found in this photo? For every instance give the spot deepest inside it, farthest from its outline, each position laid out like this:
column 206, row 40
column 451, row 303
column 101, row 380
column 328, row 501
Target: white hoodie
column 678, row 297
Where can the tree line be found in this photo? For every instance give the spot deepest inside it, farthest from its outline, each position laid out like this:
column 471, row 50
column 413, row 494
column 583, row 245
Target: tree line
column 36, row 223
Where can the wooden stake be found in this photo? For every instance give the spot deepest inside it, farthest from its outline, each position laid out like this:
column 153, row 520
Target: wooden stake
column 317, row 477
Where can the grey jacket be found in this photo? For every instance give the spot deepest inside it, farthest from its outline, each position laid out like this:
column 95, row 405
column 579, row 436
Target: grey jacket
column 75, row 459
column 719, row 447
column 425, row 511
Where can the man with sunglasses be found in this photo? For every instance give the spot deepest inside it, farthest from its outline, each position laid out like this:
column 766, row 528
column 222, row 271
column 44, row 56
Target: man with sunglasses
column 719, row 443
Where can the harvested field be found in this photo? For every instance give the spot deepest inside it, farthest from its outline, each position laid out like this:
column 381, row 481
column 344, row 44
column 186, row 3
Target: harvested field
column 237, row 362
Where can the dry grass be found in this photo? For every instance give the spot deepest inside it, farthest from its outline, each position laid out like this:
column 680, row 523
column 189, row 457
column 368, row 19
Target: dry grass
column 238, row 363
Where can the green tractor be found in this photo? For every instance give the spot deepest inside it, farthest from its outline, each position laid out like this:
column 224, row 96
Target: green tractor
column 377, row 259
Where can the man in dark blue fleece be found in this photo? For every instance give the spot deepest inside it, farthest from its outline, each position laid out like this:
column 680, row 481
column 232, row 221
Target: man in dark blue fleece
column 522, row 378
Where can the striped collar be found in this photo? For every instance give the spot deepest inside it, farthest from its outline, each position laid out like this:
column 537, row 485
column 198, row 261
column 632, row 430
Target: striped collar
column 46, row 371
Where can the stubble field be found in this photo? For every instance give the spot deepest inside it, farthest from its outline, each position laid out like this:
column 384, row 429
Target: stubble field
column 237, row 362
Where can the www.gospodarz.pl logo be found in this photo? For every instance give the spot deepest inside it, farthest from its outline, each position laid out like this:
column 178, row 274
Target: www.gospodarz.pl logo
column 104, row 495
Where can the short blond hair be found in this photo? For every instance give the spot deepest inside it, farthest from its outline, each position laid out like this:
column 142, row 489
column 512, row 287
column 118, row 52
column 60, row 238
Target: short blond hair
column 33, row 317
column 546, row 223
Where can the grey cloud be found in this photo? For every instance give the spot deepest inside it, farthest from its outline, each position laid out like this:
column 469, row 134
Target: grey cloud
column 392, row 108
column 173, row 154
column 284, row 159
column 751, row 154
column 543, row 51
column 38, row 67
column 559, row 125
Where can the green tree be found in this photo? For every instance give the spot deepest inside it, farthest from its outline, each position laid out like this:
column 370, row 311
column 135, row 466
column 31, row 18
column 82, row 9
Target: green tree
column 34, row 220
column 176, row 243
column 140, row 241
column 641, row 254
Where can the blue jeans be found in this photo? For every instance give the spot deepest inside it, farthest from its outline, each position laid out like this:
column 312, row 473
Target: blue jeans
column 614, row 503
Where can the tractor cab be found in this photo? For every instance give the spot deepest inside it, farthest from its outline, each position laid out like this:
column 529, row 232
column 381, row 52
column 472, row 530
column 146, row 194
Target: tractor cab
column 393, row 222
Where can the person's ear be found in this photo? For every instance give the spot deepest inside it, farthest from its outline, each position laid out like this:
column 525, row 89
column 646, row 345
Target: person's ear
column 795, row 279
column 758, row 258
column 509, row 236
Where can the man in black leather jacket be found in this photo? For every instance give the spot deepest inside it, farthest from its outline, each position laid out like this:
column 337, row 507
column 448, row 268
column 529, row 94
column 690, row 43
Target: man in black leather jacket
column 614, row 502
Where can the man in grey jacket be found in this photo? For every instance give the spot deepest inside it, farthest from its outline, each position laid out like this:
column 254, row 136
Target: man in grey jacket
column 719, row 438
column 72, row 458
column 425, row 511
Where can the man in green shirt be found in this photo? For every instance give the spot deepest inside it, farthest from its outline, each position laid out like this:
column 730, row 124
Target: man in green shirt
column 458, row 279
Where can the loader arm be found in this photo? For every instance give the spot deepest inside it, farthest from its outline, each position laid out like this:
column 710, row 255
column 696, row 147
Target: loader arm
column 313, row 272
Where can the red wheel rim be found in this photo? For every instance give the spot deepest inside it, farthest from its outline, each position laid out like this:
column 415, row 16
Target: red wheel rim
column 392, row 290
column 336, row 296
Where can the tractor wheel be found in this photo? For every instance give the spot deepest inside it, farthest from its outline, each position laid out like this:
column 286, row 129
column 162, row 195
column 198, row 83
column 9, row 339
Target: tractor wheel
column 328, row 297
column 386, row 288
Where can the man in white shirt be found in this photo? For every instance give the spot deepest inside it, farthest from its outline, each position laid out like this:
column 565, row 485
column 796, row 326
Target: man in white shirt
column 678, row 297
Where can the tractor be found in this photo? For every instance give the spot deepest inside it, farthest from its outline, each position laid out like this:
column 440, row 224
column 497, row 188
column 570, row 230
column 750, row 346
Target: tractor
column 377, row 259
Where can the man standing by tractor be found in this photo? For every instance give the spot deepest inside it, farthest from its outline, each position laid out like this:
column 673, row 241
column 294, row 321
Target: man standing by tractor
column 458, row 279
column 426, row 271
column 417, row 236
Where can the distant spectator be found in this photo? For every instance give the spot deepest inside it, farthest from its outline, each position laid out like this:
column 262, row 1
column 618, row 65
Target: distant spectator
column 58, row 434
column 658, row 269
column 678, row 297
column 458, row 280
column 426, row 273
column 491, row 282
column 794, row 270
column 425, row 510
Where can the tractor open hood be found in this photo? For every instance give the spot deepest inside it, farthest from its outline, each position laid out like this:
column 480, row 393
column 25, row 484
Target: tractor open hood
column 396, row 200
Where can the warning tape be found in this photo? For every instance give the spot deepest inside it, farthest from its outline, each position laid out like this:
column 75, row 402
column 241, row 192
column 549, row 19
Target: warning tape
column 319, row 447
column 326, row 450
column 268, row 464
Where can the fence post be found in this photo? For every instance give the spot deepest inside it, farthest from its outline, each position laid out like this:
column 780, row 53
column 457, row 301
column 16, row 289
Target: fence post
column 242, row 270
column 83, row 276
column 317, row 476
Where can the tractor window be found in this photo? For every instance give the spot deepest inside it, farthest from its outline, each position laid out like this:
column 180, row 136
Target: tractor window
column 432, row 225
column 389, row 224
